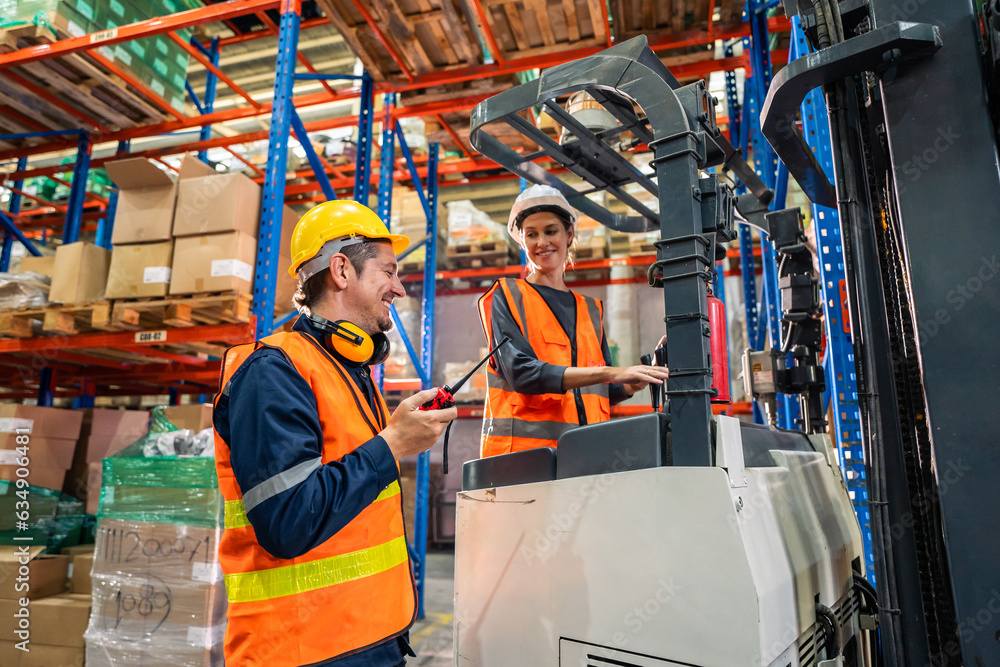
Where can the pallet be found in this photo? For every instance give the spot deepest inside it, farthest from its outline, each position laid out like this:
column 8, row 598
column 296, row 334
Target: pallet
column 56, row 320
column 181, row 311
column 127, row 315
column 597, row 248
column 526, row 28
column 664, row 17
column 406, row 268
column 479, row 255
column 425, row 37
column 76, row 85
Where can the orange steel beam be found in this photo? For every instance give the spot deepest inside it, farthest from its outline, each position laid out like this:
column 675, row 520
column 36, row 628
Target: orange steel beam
column 53, row 100
column 44, row 202
column 169, row 356
column 148, row 28
column 24, row 120
column 487, row 33
column 168, row 166
column 373, row 24
column 300, row 102
column 238, row 38
column 607, row 22
column 232, row 333
column 207, row 64
column 137, row 84
column 260, row 172
column 711, row 17
column 454, row 135
column 88, row 194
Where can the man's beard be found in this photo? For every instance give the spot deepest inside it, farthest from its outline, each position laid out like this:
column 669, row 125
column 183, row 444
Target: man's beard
column 385, row 324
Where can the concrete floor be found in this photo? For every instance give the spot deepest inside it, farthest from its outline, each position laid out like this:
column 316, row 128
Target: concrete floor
column 431, row 638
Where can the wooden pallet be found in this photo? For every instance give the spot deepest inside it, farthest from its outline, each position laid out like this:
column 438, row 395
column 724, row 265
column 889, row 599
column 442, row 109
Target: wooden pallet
column 596, row 248
column 658, row 17
column 126, row 315
column 79, row 84
column 479, row 255
column 181, row 311
column 56, row 320
column 426, row 35
column 526, row 28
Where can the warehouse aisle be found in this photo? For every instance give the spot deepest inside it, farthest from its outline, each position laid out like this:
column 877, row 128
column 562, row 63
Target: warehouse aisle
column 431, row 638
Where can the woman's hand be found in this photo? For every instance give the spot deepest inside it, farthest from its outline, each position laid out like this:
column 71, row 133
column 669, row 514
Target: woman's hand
column 637, row 378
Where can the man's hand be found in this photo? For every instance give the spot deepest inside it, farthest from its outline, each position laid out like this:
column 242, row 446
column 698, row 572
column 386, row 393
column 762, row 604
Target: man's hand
column 412, row 430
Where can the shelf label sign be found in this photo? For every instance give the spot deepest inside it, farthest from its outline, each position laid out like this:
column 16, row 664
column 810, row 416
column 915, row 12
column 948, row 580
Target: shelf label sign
column 151, row 336
column 103, row 35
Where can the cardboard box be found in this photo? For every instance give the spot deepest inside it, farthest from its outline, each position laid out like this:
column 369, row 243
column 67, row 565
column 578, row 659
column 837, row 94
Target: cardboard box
column 40, row 476
column 43, row 452
column 41, row 421
column 213, row 263
column 81, row 273
column 40, row 655
column 46, row 573
column 43, row 265
column 173, row 566
column 146, row 198
column 139, row 270
column 194, row 417
column 104, row 433
column 79, row 582
column 217, row 203
column 58, row 620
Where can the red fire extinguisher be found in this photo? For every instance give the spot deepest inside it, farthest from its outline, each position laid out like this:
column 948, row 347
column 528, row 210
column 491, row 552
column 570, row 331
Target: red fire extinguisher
column 719, row 346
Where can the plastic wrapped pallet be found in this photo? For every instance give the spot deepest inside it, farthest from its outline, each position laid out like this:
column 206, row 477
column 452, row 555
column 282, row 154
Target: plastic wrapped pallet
column 158, row 597
column 18, row 290
column 467, row 224
column 55, row 519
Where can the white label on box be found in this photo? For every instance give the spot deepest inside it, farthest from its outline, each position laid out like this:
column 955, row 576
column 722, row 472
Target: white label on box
column 151, row 336
column 8, row 457
column 103, row 35
column 15, row 425
column 459, row 219
column 206, row 637
column 208, row 573
column 232, row 267
column 156, row 274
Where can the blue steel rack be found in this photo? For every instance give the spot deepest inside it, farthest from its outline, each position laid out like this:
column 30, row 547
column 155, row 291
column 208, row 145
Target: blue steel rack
column 839, row 361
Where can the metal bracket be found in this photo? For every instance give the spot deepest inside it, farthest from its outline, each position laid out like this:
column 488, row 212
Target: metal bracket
column 873, row 51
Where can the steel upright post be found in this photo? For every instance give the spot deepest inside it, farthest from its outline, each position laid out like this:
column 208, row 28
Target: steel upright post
column 46, row 388
column 366, row 121
column 208, row 104
column 273, row 202
column 13, row 208
column 74, row 208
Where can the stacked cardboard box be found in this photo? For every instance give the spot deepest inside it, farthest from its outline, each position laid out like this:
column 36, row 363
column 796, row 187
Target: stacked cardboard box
column 103, row 433
column 409, row 219
column 197, row 233
column 467, row 224
column 157, row 589
column 80, row 273
column 195, row 417
column 50, row 434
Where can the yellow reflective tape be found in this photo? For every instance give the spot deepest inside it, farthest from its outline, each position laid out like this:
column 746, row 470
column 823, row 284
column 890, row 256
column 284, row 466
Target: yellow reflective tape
column 236, row 516
column 304, row 577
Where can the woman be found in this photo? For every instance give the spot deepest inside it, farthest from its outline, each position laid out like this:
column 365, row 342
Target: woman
column 555, row 374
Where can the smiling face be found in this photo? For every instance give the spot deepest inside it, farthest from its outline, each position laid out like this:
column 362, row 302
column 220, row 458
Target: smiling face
column 546, row 239
column 371, row 292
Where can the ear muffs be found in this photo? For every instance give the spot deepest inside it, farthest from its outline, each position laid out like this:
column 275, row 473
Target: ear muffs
column 350, row 344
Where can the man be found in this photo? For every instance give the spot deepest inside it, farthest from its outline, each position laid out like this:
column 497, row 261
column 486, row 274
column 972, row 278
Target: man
column 314, row 552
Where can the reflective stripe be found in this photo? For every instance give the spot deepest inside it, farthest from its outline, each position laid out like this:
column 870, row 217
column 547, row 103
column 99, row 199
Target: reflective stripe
column 496, row 381
column 522, row 428
column 280, row 482
column 236, row 516
column 595, row 317
column 304, row 577
column 515, row 293
column 596, row 389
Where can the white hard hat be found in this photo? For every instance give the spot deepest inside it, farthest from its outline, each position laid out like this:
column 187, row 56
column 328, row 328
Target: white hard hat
column 538, row 199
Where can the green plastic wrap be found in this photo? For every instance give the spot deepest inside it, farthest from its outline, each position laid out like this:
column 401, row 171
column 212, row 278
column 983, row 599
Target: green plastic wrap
column 159, row 422
column 172, row 489
column 55, row 519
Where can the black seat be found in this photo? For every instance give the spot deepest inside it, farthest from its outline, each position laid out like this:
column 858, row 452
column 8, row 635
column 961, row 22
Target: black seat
column 532, row 465
column 618, row 445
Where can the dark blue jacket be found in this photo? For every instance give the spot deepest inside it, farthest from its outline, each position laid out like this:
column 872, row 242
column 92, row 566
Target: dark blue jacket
column 271, row 415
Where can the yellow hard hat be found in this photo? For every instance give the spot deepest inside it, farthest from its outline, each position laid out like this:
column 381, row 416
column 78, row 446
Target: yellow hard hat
column 343, row 220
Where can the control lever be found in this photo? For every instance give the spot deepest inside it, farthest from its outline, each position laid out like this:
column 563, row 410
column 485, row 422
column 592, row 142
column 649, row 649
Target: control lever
column 654, row 390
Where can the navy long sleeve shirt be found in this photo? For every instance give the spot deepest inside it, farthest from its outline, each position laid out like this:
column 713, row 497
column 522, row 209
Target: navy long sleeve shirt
column 518, row 363
column 271, row 424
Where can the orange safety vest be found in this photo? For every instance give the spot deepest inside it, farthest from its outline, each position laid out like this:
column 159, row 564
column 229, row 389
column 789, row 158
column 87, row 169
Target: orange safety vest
column 513, row 422
column 350, row 593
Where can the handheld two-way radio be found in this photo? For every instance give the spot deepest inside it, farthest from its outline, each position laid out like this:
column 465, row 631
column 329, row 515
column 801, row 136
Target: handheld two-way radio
column 446, row 398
